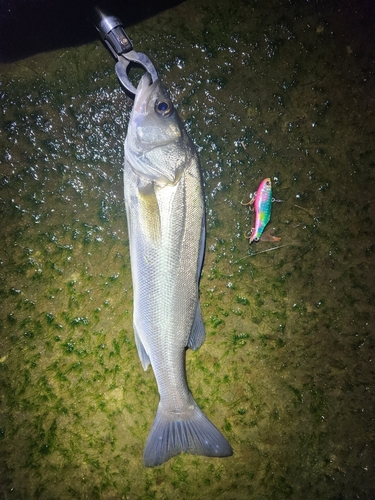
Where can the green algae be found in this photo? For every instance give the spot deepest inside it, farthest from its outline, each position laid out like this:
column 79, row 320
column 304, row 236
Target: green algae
column 286, row 372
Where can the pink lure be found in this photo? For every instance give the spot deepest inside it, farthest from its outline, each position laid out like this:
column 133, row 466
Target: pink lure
column 262, row 205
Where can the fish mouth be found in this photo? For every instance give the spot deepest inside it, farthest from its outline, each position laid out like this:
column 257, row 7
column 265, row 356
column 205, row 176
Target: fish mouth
column 144, row 89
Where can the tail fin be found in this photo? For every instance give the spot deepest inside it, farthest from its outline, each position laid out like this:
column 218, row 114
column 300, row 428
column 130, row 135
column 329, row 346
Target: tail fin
column 190, row 432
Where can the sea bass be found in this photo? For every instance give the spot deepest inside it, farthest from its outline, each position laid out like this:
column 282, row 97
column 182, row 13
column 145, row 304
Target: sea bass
column 166, row 224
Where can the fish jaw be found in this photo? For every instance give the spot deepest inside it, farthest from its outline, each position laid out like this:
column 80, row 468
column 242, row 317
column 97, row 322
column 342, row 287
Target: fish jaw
column 144, row 90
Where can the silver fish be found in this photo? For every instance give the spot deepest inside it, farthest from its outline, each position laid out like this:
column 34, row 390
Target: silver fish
column 166, row 225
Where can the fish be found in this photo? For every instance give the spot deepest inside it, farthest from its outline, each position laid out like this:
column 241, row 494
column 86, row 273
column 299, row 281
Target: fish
column 166, row 225
column 262, row 202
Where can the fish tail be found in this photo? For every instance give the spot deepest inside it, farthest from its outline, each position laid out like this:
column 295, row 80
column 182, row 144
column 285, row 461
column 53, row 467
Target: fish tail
column 190, row 432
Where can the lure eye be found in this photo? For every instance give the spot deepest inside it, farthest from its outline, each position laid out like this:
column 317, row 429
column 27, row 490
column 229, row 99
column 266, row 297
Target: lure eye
column 164, row 107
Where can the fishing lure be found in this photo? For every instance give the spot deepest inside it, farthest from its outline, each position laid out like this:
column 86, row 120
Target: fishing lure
column 262, row 201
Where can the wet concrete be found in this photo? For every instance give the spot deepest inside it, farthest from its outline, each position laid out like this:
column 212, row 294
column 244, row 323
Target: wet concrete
column 266, row 89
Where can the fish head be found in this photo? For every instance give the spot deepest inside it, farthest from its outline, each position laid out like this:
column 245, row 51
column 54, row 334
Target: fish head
column 157, row 146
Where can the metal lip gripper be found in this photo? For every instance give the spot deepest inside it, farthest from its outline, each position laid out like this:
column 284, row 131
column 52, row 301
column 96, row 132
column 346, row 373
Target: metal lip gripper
column 117, row 41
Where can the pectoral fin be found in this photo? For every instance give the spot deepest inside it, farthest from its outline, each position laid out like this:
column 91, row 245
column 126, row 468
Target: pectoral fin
column 150, row 212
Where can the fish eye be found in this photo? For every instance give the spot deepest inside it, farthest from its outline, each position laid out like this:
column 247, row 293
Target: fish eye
column 164, row 107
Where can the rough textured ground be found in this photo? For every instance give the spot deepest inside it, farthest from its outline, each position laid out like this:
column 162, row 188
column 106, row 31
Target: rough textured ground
column 276, row 89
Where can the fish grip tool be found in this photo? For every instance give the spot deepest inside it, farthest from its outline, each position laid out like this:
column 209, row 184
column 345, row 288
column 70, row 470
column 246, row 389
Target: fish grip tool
column 119, row 44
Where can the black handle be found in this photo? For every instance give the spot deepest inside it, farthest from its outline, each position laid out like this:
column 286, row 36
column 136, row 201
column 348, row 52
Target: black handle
column 112, row 32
